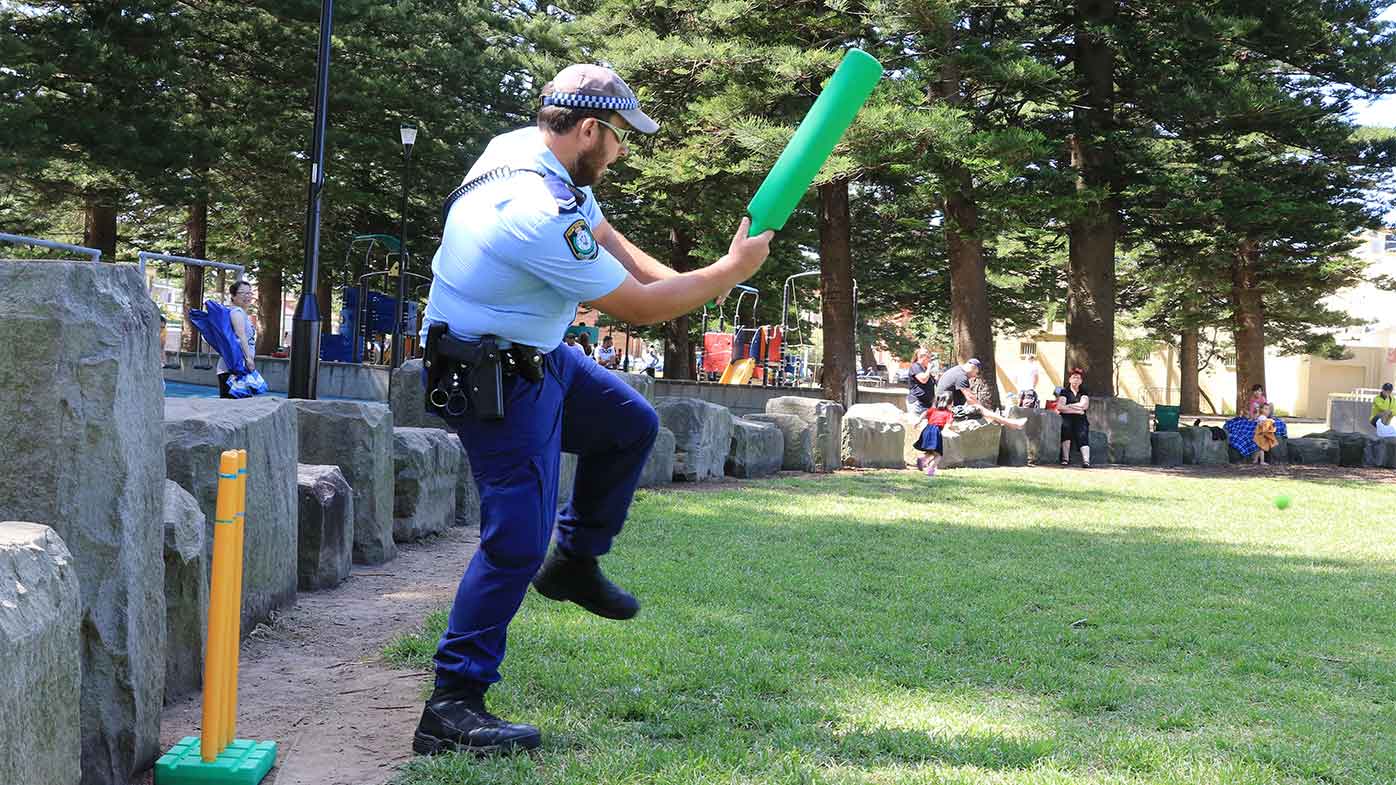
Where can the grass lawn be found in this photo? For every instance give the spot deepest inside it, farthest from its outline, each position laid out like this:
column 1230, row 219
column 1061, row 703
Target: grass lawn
column 990, row 626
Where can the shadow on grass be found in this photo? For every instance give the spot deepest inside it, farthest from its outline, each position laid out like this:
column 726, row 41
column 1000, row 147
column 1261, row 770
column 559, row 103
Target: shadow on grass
column 980, row 750
column 1134, row 647
column 948, row 487
column 1138, row 627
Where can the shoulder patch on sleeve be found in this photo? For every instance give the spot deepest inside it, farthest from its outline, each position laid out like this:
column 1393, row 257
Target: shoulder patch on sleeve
column 580, row 241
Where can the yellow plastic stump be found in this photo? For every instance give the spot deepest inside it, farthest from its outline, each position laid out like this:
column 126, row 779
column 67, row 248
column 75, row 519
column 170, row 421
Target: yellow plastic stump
column 217, row 756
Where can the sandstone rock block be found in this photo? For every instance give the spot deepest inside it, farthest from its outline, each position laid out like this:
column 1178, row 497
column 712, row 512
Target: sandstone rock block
column 186, row 593
column 1380, row 453
column 1100, row 450
column 798, row 437
column 1352, row 447
column 702, row 434
column 757, row 449
column 427, row 470
column 641, row 383
column 1013, row 448
column 874, row 436
column 826, row 417
column 1315, row 450
column 467, row 492
column 1125, row 424
column 197, row 431
column 1168, row 448
column 80, row 394
column 1039, row 441
column 407, row 396
column 659, row 469
column 41, row 665
column 358, row 438
column 970, row 444
column 1201, row 449
column 325, row 513
column 1043, row 432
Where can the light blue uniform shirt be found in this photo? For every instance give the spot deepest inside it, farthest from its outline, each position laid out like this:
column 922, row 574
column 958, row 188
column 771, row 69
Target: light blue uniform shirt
column 513, row 262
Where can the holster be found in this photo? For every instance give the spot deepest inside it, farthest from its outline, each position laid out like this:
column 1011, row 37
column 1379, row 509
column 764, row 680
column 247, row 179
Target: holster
column 468, row 376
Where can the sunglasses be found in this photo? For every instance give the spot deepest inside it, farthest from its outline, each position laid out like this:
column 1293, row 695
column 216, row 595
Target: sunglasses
column 621, row 133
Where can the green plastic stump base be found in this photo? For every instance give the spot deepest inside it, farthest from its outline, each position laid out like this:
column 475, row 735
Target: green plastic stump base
column 242, row 763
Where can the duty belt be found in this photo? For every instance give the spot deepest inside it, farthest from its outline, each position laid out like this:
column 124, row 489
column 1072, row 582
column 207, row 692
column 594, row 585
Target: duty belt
column 468, row 376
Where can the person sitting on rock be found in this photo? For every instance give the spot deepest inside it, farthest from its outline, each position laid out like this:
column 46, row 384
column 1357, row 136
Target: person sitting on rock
column 970, row 399
column 1383, row 406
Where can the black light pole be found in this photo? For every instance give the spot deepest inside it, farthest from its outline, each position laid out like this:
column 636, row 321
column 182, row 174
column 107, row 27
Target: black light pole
column 305, row 329
column 409, row 138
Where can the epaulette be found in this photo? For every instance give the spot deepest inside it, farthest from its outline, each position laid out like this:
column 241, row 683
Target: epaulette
column 569, row 198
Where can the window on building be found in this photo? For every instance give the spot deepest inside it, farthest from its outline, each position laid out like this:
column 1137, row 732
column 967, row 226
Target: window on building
column 1027, row 349
column 1389, row 242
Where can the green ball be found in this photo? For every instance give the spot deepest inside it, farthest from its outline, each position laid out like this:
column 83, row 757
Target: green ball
column 1281, row 502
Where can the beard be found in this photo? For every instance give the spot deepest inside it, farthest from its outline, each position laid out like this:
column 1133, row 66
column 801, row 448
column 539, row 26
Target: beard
column 591, row 166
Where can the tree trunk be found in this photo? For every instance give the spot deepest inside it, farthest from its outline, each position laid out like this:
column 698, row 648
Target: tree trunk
column 1247, row 322
column 324, row 300
column 969, row 300
column 1189, row 399
column 839, row 376
column 865, row 349
column 269, row 309
column 196, row 245
column 99, row 225
column 678, row 347
column 970, row 325
column 1090, row 301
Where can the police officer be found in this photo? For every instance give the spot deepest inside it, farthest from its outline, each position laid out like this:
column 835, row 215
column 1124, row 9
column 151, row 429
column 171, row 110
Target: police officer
column 524, row 243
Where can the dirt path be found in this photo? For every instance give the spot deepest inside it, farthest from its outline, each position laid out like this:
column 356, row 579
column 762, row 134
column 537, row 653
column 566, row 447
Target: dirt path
column 314, row 681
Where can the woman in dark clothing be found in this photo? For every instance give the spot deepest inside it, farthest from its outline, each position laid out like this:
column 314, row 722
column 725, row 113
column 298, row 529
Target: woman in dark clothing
column 1072, row 401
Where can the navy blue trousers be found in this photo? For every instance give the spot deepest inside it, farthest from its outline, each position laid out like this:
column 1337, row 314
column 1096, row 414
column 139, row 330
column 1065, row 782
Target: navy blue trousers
column 581, row 408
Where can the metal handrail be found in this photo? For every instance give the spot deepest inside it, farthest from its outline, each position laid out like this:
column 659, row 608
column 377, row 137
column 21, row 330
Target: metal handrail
column 19, row 239
column 164, row 257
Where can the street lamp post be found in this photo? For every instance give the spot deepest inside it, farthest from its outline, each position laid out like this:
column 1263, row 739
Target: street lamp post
column 305, row 329
column 408, row 134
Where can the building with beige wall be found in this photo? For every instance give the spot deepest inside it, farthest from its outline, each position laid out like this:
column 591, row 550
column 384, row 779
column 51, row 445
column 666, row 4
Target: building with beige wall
column 1298, row 386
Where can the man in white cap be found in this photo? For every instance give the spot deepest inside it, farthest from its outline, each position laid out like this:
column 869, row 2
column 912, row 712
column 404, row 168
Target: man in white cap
column 524, row 243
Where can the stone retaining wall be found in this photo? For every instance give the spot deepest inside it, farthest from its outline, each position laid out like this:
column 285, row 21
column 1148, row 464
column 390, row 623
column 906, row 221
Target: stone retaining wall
column 80, row 432
column 358, row 438
column 197, row 431
column 40, row 658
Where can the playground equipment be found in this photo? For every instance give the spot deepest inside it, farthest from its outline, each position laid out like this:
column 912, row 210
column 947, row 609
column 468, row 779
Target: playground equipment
column 745, row 354
column 718, row 345
column 217, row 756
column 799, row 358
column 367, row 319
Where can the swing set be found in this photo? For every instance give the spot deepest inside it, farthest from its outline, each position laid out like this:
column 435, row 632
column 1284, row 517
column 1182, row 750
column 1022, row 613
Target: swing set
column 800, row 358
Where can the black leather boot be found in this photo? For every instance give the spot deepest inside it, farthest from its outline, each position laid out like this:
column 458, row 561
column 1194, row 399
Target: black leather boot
column 455, row 720
column 578, row 579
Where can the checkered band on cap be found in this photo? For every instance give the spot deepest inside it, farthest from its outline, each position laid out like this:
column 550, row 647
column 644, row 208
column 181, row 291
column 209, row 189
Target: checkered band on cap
column 584, row 101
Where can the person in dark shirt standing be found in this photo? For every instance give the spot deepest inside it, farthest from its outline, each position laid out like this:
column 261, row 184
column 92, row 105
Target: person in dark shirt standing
column 1072, row 401
column 921, row 384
